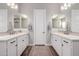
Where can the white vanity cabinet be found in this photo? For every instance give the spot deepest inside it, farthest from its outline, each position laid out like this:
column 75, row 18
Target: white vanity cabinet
column 65, row 46
column 12, row 45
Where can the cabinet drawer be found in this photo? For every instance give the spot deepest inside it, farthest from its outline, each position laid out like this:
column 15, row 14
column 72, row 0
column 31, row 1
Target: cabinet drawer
column 12, row 41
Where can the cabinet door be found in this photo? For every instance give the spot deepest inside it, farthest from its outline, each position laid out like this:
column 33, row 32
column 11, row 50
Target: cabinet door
column 12, row 47
column 66, row 47
column 57, row 42
column 59, row 45
column 25, row 41
column 19, row 49
column 53, row 41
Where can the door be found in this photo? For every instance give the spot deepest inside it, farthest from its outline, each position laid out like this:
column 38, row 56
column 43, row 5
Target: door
column 39, row 26
column 12, row 47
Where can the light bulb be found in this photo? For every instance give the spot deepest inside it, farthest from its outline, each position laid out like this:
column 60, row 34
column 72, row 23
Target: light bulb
column 9, row 4
column 65, row 4
column 12, row 4
column 65, row 8
column 16, row 7
column 69, row 5
column 62, row 7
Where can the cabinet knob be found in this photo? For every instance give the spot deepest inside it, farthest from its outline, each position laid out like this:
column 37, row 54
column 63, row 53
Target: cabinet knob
column 12, row 42
column 43, row 32
column 62, row 45
column 22, row 40
column 16, row 45
column 55, row 40
column 65, row 41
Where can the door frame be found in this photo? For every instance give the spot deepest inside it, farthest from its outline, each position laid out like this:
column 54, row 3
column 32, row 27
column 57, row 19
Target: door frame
column 34, row 24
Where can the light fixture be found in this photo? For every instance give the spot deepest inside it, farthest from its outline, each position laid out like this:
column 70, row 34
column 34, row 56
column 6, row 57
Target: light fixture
column 65, row 6
column 13, row 5
column 54, row 16
column 9, row 4
column 69, row 4
column 62, row 7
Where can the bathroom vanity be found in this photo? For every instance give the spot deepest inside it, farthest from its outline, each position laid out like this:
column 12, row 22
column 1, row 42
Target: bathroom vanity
column 13, row 44
column 65, row 44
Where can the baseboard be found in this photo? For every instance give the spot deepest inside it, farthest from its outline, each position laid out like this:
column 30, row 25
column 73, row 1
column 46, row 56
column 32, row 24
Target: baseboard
column 47, row 44
column 39, row 45
column 31, row 45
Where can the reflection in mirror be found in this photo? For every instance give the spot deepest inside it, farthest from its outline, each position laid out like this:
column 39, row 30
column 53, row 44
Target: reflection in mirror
column 23, row 22
column 20, row 22
column 16, row 22
column 59, row 22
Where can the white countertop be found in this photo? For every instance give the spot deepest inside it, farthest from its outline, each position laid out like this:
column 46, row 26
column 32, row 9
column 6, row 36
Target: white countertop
column 8, row 36
column 69, row 36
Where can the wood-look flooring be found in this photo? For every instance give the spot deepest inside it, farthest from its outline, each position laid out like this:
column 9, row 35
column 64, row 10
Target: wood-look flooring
column 39, row 51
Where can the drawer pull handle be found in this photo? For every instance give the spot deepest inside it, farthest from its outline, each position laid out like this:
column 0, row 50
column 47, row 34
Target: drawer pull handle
column 16, row 45
column 12, row 42
column 55, row 40
column 22, row 40
column 65, row 41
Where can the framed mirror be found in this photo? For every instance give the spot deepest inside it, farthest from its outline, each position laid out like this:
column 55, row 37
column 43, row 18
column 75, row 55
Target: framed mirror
column 19, row 22
column 59, row 22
